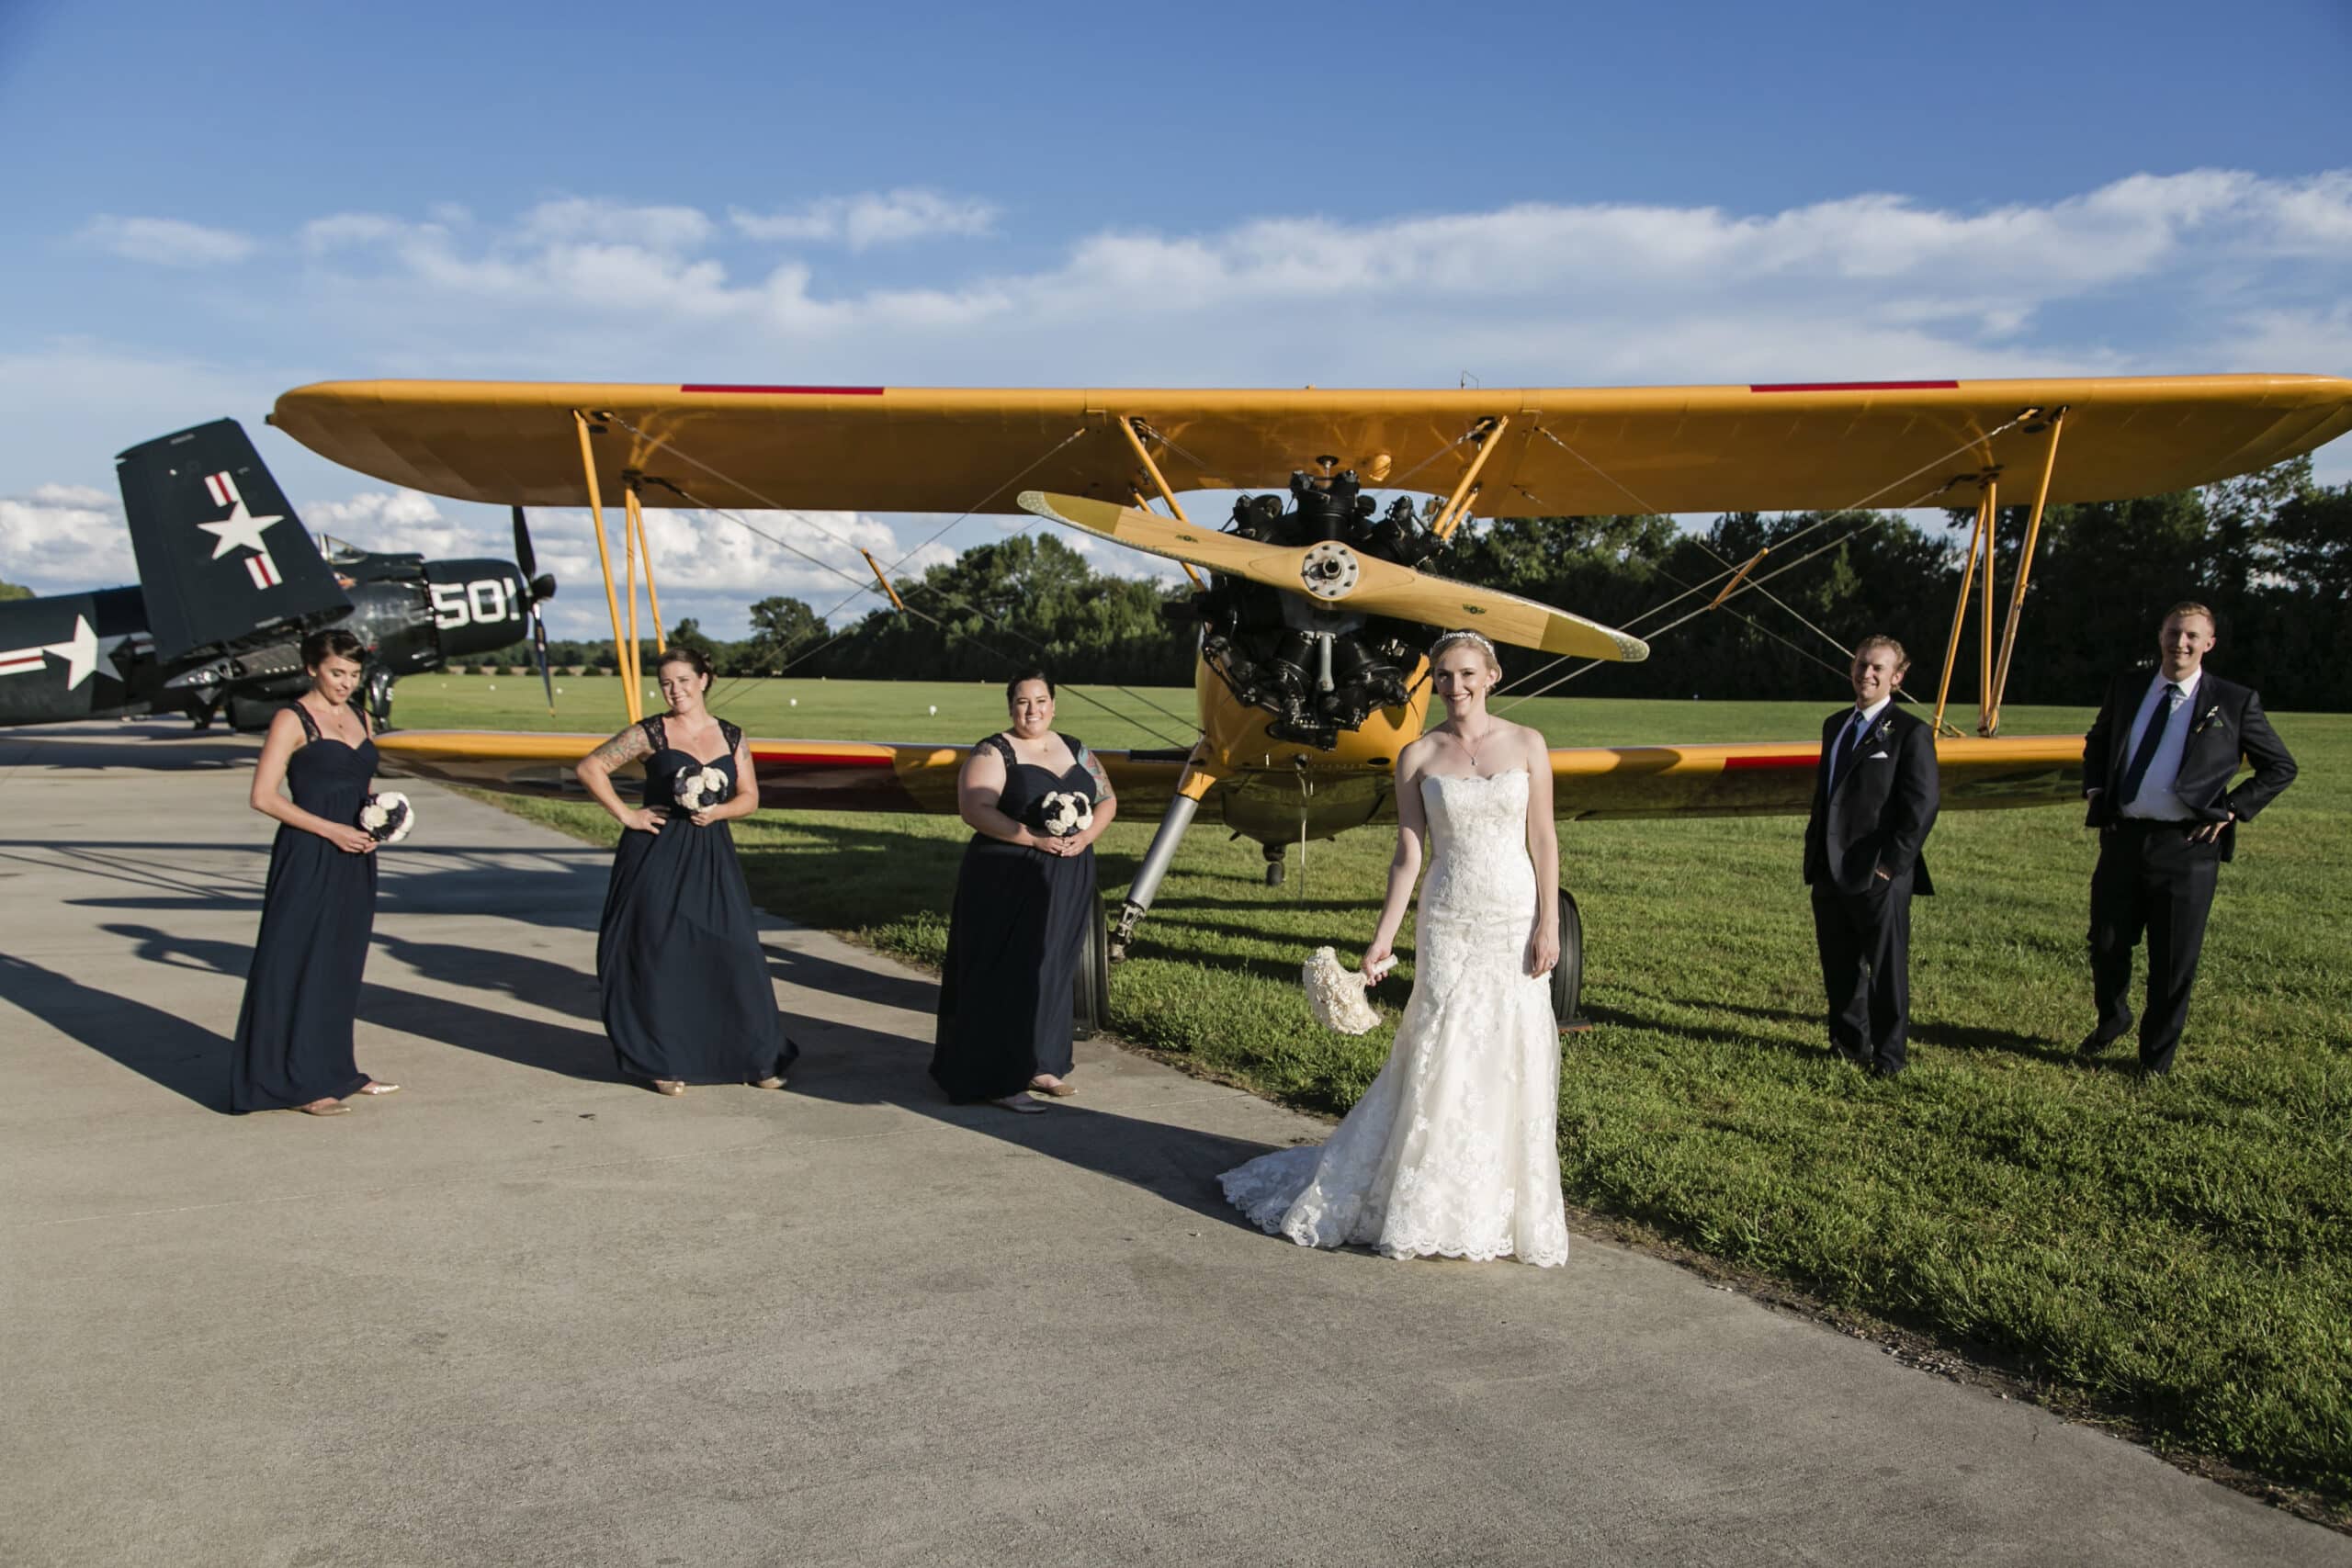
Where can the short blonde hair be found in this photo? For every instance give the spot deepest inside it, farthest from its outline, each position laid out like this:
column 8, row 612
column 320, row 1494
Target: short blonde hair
column 1462, row 639
column 2190, row 607
column 1880, row 640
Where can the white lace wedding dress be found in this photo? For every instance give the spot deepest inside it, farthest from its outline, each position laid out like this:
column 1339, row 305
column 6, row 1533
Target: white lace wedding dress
column 1452, row 1150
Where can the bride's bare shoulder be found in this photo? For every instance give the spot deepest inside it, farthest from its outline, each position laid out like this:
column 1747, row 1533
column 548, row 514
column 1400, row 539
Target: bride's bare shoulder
column 1532, row 744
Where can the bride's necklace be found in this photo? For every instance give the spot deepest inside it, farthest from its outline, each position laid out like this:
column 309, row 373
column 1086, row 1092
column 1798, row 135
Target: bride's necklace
column 1471, row 746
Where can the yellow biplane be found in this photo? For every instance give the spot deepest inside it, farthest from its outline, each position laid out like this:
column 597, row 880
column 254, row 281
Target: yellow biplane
column 1313, row 608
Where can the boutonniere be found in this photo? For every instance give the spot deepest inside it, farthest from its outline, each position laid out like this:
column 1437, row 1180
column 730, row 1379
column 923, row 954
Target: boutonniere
column 2213, row 717
column 1885, row 729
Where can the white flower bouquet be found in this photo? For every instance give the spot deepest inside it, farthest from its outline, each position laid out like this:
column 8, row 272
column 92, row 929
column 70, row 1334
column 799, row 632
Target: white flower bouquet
column 1335, row 995
column 388, row 818
column 1064, row 813
column 701, row 789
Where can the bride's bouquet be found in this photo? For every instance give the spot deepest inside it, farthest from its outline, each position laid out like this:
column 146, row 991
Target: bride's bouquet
column 387, row 818
column 1065, row 812
column 1335, row 995
column 701, row 789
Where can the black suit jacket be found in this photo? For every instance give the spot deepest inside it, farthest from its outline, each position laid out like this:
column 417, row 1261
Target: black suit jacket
column 1880, row 813
column 2229, row 724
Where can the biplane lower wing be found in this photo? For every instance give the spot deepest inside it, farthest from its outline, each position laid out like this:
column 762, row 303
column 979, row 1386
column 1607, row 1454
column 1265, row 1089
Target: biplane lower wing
column 1765, row 779
column 795, row 776
column 1592, row 782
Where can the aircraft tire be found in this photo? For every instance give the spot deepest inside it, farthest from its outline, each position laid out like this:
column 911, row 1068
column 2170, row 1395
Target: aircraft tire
column 380, row 697
column 1568, row 974
column 1091, row 991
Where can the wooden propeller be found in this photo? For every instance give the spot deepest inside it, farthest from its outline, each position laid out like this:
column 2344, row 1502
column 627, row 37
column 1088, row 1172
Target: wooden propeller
column 1338, row 577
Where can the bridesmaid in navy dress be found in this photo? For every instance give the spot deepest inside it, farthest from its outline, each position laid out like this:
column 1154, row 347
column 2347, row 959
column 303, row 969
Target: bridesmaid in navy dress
column 1022, row 900
column 294, row 1050
column 685, row 987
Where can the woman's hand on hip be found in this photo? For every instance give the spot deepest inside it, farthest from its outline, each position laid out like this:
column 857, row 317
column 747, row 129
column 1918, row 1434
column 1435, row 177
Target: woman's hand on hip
column 642, row 820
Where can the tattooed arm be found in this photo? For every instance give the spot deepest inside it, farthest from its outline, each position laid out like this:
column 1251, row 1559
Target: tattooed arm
column 1106, row 801
column 595, row 775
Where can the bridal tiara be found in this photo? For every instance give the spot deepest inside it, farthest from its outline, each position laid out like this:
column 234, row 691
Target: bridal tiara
column 1437, row 649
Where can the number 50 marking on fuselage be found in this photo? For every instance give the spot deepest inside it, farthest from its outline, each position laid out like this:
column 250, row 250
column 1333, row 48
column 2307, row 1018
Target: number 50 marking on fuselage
column 484, row 601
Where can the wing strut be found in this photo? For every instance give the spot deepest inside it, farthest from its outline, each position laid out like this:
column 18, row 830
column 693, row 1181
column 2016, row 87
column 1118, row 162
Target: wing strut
column 1127, row 429
column 1979, row 542
column 1989, row 723
column 641, row 547
column 1457, row 506
column 630, row 693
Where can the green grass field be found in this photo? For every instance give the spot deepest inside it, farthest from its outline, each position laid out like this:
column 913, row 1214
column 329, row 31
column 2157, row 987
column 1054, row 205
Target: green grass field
column 2175, row 1257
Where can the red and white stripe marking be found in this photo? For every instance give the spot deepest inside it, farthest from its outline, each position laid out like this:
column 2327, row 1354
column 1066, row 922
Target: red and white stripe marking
column 18, row 660
column 223, row 487
column 262, row 571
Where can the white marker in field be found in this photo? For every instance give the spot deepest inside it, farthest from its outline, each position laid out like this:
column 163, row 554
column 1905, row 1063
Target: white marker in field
column 795, row 702
column 934, row 710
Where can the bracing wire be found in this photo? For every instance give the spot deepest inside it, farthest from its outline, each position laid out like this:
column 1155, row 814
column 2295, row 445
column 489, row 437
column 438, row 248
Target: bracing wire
column 1756, row 583
column 943, row 627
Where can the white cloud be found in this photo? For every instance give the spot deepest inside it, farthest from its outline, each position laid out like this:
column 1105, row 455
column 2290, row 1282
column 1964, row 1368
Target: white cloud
column 63, row 538
column 167, row 242
column 871, row 219
column 392, row 522
column 661, row 229
column 2195, row 271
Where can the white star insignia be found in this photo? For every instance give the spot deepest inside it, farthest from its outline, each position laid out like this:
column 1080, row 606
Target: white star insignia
column 81, row 655
column 240, row 529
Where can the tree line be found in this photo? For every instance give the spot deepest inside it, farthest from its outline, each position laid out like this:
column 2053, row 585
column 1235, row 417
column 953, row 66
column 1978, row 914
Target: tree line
column 2271, row 553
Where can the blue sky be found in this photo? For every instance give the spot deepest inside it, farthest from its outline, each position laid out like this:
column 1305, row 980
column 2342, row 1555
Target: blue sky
column 213, row 204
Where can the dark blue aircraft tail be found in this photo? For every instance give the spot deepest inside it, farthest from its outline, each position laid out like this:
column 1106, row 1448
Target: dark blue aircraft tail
column 223, row 558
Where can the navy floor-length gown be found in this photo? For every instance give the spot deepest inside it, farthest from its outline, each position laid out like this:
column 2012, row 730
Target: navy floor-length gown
column 684, row 981
column 302, row 991
column 1014, row 943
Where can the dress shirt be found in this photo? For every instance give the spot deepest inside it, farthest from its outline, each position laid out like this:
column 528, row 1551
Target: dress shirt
column 2155, row 801
column 1843, row 756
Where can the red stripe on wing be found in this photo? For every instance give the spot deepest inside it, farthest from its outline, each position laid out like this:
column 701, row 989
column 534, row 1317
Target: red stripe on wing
column 1741, row 764
column 802, row 391
column 1853, row 386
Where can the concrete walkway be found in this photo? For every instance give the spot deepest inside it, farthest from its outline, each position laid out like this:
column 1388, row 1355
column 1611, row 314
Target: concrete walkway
column 522, row 1313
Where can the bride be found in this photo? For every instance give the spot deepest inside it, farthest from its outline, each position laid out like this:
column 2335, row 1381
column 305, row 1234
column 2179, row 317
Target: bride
column 1452, row 1150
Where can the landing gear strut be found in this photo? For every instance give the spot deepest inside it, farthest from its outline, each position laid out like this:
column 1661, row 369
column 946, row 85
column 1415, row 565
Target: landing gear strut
column 1155, row 861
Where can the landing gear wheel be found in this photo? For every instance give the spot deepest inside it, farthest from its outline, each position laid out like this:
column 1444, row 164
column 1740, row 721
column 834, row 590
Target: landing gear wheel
column 1568, row 974
column 380, row 697
column 1273, row 853
column 1091, row 991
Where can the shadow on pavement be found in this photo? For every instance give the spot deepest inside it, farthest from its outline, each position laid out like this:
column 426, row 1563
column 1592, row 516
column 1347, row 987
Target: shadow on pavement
column 162, row 1046
column 850, row 1066
column 526, row 1042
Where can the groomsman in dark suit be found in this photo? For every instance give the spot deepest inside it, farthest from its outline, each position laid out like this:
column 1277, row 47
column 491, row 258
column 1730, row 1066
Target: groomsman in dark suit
column 1874, row 797
column 2157, row 770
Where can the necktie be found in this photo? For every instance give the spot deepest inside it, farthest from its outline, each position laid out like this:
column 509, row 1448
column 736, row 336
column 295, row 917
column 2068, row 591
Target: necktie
column 2158, row 722
column 1848, row 749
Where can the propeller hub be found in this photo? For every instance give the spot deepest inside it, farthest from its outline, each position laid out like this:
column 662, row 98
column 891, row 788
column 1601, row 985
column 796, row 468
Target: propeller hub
column 1329, row 570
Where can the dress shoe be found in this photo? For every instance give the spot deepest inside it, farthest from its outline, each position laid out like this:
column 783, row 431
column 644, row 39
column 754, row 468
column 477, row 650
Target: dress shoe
column 2094, row 1043
column 1881, row 1070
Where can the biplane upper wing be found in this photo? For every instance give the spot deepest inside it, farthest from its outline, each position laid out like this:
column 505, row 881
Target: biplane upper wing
column 1556, row 451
